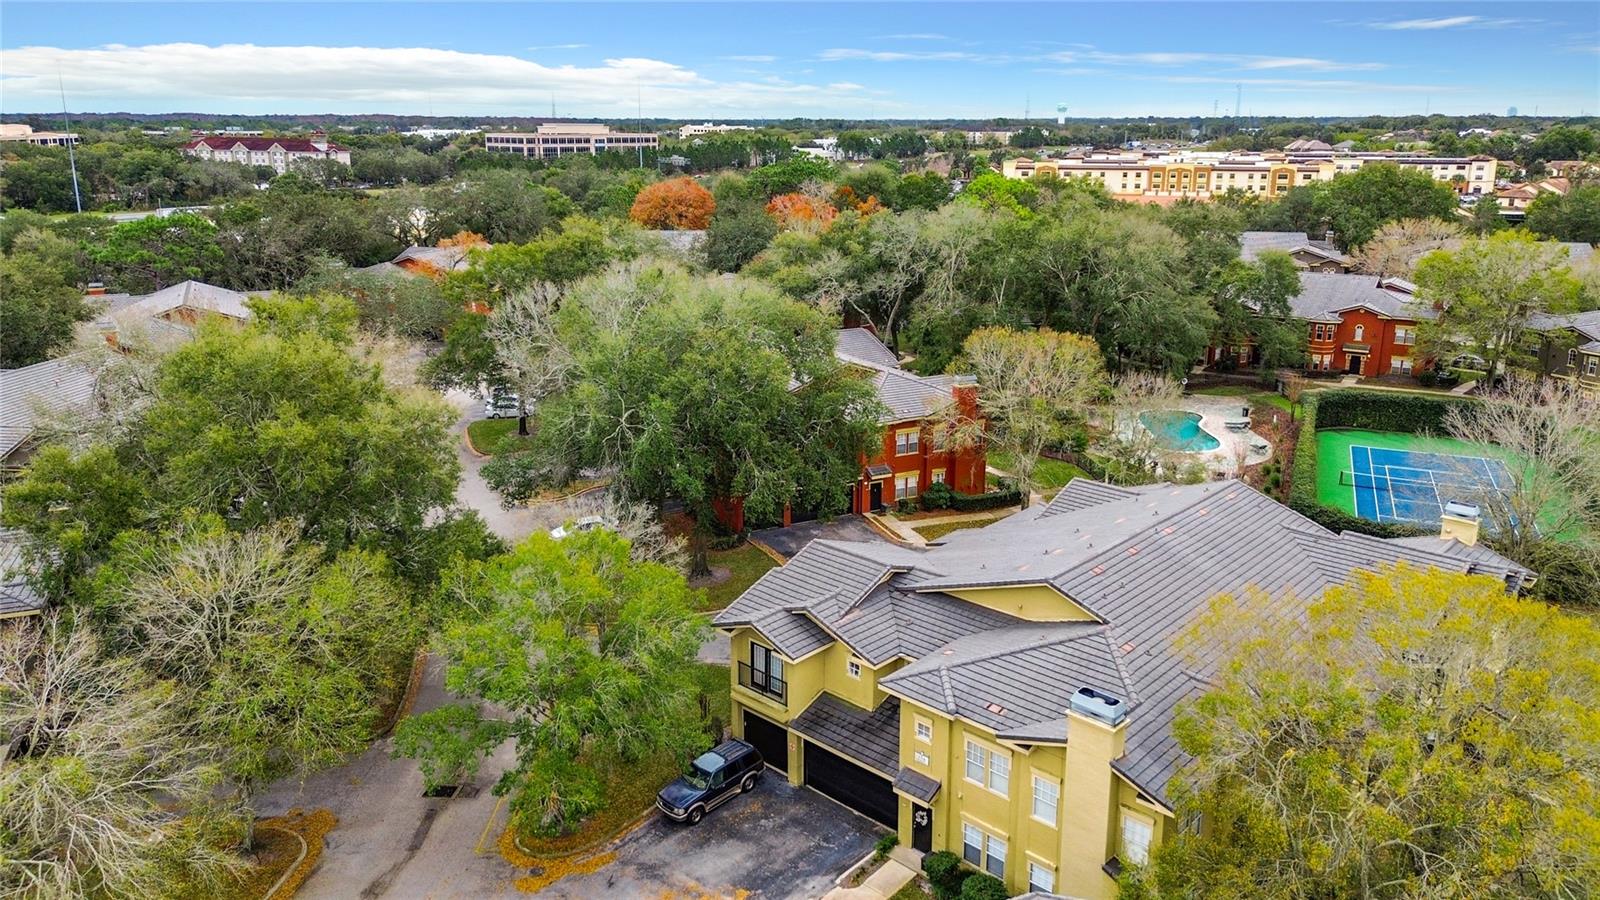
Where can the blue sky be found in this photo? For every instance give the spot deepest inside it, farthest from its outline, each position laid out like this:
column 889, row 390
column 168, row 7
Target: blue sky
column 724, row 60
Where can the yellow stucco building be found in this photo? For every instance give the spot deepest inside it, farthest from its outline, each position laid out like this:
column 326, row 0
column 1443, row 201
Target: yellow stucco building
column 1008, row 693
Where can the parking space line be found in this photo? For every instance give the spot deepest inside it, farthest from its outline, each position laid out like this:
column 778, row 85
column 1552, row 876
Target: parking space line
column 478, row 849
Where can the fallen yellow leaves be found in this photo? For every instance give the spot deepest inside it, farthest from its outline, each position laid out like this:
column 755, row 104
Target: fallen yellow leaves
column 546, row 872
column 313, row 828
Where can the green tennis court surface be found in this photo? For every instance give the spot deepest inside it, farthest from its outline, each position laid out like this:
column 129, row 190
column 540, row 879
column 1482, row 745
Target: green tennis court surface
column 1402, row 478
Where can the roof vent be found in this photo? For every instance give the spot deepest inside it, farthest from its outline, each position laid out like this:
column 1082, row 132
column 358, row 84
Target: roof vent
column 1095, row 705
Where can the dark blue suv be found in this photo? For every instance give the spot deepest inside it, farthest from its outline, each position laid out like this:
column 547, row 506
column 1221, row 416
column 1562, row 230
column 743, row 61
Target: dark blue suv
column 716, row 776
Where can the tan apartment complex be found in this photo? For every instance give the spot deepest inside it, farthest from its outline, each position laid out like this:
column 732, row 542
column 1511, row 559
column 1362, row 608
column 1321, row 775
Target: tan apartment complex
column 1008, row 694
column 26, row 134
column 1203, row 175
column 563, row 139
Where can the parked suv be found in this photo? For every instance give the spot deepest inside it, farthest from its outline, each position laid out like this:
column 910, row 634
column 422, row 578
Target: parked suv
column 716, row 776
column 501, row 405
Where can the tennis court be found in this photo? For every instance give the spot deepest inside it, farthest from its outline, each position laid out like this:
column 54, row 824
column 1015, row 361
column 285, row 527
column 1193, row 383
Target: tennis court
column 1412, row 486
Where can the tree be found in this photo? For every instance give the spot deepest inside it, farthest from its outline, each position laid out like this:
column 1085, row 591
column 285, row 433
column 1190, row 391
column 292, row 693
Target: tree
column 529, row 354
column 41, row 306
column 801, row 212
column 787, row 176
column 1415, row 733
column 929, row 191
column 1395, row 248
column 1547, row 505
column 96, row 754
column 1253, row 305
column 679, row 204
column 736, row 234
column 155, row 252
column 1487, row 290
column 1030, row 384
column 287, row 659
column 1132, row 453
column 584, row 656
column 72, row 506
column 1486, row 218
column 1356, row 203
column 503, row 206
column 1573, row 216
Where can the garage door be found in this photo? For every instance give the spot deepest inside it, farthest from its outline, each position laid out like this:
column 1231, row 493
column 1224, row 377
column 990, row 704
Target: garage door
column 768, row 737
column 861, row 789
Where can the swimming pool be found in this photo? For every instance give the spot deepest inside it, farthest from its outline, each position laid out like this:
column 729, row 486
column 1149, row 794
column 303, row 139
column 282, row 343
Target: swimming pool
column 1178, row 430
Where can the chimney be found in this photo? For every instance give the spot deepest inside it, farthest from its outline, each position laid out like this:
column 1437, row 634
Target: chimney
column 1460, row 521
column 95, row 289
column 1097, row 705
column 109, row 332
column 964, row 390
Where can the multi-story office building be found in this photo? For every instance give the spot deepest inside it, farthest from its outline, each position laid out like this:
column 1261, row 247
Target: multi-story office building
column 1201, row 175
column 26, row 134
column 689, row 131
column 564, row 138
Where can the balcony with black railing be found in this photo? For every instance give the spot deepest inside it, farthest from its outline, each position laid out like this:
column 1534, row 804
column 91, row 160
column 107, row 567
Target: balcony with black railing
column 763, row 682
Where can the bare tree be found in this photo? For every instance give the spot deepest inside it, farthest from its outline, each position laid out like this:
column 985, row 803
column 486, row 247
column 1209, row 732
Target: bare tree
column 637, row 521
column 527, row 347
column 1030, row 384
column 1131, row 449
column 1397, row 246
column 1546, row 495
column 103, row 786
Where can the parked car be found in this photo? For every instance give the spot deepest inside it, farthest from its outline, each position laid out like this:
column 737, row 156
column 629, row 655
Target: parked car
column 502, row 406
column 715, row 777
column 587, row 523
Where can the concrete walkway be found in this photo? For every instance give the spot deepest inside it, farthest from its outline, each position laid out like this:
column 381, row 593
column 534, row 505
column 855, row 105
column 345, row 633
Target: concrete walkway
column 896, row 872
column 905, row 529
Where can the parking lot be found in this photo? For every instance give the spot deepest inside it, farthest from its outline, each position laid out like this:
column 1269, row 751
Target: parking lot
column 775, row 842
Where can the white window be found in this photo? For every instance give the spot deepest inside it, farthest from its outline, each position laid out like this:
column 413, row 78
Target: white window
column 1404, row 335
column 971, row 844
column 1136, row 834
column 905, row 486
column 1041, row 878
column 1592, row 366
column 1572, row 359
column 1046, row 796
column 854, row 668
column 907, row 442
column 999, row 773
column 977, row 761
column 921, row 757
column 924, row 731
column 937, row 476
column 1361, row 331
column 995, row 864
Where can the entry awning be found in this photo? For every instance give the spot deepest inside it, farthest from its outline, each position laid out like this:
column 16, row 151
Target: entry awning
column 1358, row 348
column 916, row 785
column 879, row 471
column 869, row 737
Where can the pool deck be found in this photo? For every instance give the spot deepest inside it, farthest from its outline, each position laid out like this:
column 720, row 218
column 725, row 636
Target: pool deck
column 1214, row 413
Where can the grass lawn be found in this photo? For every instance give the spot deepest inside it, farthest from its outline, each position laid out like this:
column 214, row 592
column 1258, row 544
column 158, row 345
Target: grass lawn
column 915, row 889
column 745, row 563
column 486, row 434
column 631, row 788
column 1049, row 475
column 939, row 530
column 1271, row 398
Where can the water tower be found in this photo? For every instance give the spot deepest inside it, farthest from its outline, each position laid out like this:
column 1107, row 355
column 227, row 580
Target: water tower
column 1061, row 114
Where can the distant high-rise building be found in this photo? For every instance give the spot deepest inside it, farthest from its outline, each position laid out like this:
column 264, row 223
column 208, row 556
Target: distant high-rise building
column 1511, row 110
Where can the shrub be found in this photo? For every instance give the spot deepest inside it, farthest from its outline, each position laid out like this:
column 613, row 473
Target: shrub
column 983, row 886
column 944, row 874
column 1008, row 495
column 1329, row 409
column 885, row 844
column 937, row 496
column 905, row 506
column 1384, row 410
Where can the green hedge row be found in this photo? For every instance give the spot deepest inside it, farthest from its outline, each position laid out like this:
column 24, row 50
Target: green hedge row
column 1347, row 409
column 992, row 500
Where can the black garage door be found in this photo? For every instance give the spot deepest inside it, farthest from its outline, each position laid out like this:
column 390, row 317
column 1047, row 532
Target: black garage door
column 863, row 790
column 768, row 737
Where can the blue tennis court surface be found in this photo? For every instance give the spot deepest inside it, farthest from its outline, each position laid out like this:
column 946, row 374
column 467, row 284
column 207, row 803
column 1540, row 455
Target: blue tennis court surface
column 1412, row 486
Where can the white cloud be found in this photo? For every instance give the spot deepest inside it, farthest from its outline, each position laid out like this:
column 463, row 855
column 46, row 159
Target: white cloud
column 559, row 47
column 916, row 36
column 1307, row 84
column 1237, row 60
column 845, row 86
column 751, row 58
column 228, row 78
column 1426, row 24
column 837, row 54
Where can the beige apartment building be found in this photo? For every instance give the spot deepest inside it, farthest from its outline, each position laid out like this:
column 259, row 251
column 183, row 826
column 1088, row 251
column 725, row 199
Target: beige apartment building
column 689, row 131
column 1202, row 175
column 26, row 134
column 565, row 138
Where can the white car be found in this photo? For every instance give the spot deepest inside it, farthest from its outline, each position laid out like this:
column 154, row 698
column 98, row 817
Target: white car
column 502, row 406
column 587, row 523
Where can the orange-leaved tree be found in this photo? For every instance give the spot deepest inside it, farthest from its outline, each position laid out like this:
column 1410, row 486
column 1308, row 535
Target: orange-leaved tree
column 801, row 211
column 680, row 204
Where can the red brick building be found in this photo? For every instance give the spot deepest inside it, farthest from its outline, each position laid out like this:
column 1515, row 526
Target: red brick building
column 1355, row 324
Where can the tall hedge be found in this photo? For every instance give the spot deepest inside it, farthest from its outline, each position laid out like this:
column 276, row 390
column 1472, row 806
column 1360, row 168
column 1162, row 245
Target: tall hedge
column 1370, row 410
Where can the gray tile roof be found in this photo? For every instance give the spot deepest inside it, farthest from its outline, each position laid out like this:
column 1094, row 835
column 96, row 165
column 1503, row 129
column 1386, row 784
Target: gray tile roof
column 1146, row 560
column 17, row 596
column 1253, row 243
column 1585, row 323
column 1324, row 295
column 904, row 395
column 448, row 259
column 872, row 737
column 861, row 345
column 195, row 295
column 58, row 385
column 916, row 784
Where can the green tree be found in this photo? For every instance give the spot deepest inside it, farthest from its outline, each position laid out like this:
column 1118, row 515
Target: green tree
column 1416, row 733
column 586, row 657
column 72, row 505
column 41, row 306
column 155, row 252
column 929, row 191
column 503, row 206
column 1356, row 203
column 736, row 234
column 1573, row 216
column 1487, row 290
column 1252, row 303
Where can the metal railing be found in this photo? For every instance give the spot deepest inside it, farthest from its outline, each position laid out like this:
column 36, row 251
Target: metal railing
column 763, row 682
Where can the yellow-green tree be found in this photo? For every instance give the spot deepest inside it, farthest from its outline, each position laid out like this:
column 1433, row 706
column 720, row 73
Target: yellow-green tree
column 1414, row 734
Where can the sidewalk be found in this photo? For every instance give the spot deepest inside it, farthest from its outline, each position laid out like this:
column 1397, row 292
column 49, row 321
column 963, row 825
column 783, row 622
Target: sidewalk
column 895, row 873
column 904, row 530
